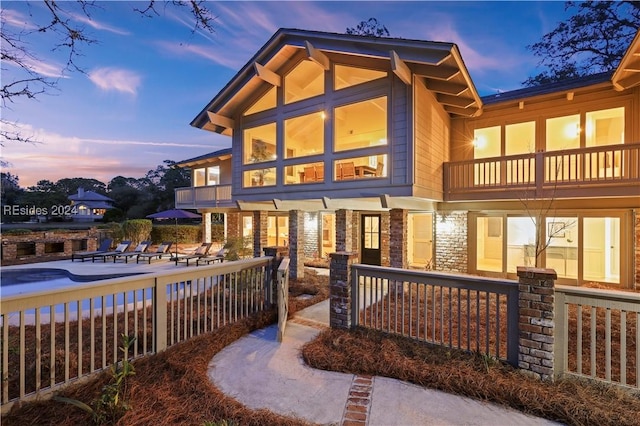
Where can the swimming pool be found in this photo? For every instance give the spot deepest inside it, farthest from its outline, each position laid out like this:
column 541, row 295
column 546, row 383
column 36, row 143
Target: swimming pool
column 30, row 280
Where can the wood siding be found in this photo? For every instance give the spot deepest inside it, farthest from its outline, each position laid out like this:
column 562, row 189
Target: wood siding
column 431, row 143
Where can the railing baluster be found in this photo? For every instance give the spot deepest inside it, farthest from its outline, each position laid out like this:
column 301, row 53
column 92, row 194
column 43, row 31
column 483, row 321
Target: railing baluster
column 607, row 353
column 579, row 338
column 623, row 347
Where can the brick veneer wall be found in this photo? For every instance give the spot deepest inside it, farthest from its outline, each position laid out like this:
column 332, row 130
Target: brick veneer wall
column 296, row 243
column 310, row 242
column 451, row 242
column 398, row 256
column 536, row 321
column 260, row 235
column 340, row 289
column 385, row 239
column 344, row 230
column 41, row 239
column 233, row 225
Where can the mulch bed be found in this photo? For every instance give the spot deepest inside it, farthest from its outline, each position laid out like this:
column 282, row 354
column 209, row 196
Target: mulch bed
column 370, row 352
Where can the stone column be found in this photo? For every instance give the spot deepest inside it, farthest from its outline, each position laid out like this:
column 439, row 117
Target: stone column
column 398, row 244
column 296, row 244
column 536, row 321
column 340, row 289
column 344, row 230
column 206, row 227
column 260, row 237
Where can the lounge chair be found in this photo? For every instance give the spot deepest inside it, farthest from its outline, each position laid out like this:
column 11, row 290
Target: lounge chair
column 104, row 247
column 121, row 248
column 200, row 252
column 162, row 250
column 218, row 257
column 140, row 248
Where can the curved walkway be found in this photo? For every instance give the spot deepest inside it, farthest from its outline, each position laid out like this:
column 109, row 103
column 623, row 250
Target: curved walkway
column 261, row 373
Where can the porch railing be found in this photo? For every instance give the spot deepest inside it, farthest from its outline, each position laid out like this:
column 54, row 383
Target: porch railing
column 609, row 169
column 464, row 312
column 598, row 334
column 53, row 338
column 203, row 196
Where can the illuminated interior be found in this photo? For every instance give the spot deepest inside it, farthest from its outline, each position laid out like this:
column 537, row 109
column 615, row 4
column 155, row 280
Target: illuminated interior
column 304, row 173
column 259, row 144
column 346, row 76
column 304, row 135
column 304, row 81
column 370, row 166
column 361, row 124
column 277, row 231
column 265, row 102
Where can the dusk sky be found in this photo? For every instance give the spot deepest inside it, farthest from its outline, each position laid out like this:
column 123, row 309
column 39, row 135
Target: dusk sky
column 148, row 78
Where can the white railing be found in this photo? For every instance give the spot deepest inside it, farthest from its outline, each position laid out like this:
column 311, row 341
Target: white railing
column 53, row 338
column 464, row 312
column 203, row 196
column 598, row 334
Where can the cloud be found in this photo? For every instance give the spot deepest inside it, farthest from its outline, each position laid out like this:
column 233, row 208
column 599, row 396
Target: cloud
column 117, row 79
column 98, row 25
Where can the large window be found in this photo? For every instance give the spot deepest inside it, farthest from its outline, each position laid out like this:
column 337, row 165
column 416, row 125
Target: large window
column 259, row 177
column 361, row 125
column 345, row 76
column 563, row 133
column 265, row 102
column 206, row 176
column 304, row 81
column 370, row 166
column 259, row 144
column 304, row 173
column 304, row 135
column 278, row 231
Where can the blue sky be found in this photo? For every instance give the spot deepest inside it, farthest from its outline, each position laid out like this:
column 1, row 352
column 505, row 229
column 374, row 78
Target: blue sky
column 148, row 78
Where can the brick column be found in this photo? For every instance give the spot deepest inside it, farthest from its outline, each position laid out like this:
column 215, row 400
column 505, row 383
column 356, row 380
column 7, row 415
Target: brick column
column 296, row 244
column 260, row 237
column 233, row 224
column 344, row 230
column 536, row 321
column 340, row 289
column 398, row 244
column 385, row 239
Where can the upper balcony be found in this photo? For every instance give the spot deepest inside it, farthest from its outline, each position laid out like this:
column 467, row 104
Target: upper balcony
column 602, row 171
column 199, row 197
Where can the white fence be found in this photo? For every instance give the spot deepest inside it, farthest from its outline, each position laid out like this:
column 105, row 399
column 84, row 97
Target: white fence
column 50, row 339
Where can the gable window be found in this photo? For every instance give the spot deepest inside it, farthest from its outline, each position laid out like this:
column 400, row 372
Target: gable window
column 304, row 135
column 265, row 102
column 259, row 177
column 259, row 144
column 361, row 124
column 306, row 80
column 345, row 76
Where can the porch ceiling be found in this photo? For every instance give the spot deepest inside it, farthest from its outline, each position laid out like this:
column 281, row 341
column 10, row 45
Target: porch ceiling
column 627, row 75
column 439, row 64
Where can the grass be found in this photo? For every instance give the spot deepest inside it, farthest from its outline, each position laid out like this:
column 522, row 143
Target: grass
column 173, row 387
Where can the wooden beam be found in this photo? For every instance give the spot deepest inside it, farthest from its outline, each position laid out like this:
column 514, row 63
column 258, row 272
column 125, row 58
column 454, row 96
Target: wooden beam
column 317, row 56
column 456, row 101
column 400, row 69
column 267, row 75
column 304, row 205
column 220, row 120
column 570, row 96
column 447, row 88
column 255, row 205
column 441, row 72
column 407, row 203
column 467, row 112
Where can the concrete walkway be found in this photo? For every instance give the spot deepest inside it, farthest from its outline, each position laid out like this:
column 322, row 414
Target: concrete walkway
column 261, row 373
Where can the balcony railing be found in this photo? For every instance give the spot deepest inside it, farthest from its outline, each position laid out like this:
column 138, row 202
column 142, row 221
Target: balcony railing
column 611, row 170
column 203, row 196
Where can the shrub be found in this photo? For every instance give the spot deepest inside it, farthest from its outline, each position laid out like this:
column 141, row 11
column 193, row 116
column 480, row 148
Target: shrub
column 17, row 231
column 113, row 215
column 136, row 230
column 183, row 233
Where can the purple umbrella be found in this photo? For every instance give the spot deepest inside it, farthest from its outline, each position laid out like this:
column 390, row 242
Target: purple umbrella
column 174, row 214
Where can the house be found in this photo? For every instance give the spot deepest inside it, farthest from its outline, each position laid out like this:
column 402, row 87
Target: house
column 89, row 206
column 383, row 147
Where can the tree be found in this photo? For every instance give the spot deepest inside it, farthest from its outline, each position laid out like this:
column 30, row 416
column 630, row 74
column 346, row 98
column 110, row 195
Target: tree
column 593, row 40
column 126, row 195
column 68, row 34
column 45, row 196
column 9, row 189
column 163, row 181
column 70, row 186
column 369, row 28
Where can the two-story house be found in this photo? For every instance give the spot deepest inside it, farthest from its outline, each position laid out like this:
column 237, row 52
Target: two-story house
column 383, row 147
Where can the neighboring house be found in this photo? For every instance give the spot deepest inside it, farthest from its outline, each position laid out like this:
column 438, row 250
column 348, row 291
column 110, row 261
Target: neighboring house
column 89, row 206
column 383, row 147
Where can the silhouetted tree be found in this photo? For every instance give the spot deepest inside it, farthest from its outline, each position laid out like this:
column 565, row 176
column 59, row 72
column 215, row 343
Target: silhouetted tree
column 369, row 28
column 591, row 41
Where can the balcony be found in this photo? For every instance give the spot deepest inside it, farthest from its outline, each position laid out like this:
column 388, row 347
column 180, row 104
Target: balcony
column 204, row 197
column 603, row 171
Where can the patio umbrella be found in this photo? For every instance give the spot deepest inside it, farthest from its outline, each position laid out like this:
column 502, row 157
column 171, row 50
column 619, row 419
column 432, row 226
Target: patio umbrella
column 174, row 214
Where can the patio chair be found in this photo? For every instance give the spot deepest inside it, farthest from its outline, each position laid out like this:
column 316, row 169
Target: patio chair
column 163, row 249
column 104, row 247
column 140, row 248
column 200, row 252
column 218, row 257
column 121, row 248
column 348, row 170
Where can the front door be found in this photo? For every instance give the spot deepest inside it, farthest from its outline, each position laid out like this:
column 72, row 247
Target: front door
column 370, row 239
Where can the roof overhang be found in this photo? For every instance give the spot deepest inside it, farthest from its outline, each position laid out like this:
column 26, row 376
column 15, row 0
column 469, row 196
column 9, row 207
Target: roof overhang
column 439, row 64
column 212, row 157
column 627, row 75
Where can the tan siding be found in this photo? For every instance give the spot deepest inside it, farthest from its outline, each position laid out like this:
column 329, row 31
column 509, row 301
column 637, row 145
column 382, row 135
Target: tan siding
column 432, row 126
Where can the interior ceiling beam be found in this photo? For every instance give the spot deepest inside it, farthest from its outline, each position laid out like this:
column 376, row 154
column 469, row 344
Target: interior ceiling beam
column 441, row 72
column 455, row 101
column 317, row 56
column 267, row 75
column 220, row 120
column 400, row 69
column 445, row 87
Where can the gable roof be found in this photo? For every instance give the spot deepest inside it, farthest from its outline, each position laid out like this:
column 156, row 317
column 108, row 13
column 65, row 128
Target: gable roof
column 627, row 74
column 439, row 64
column 83, row 195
